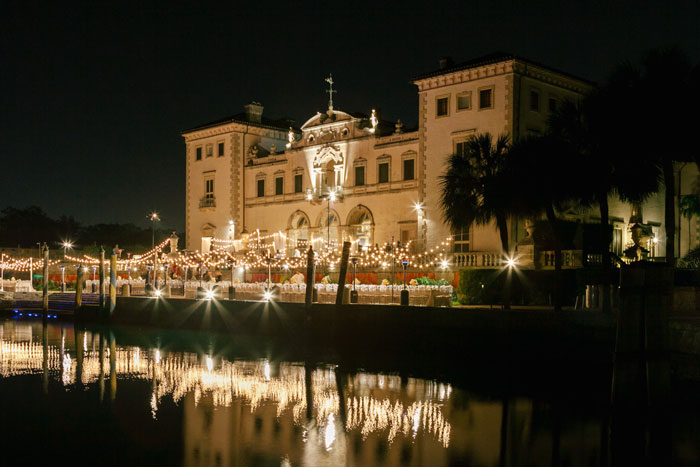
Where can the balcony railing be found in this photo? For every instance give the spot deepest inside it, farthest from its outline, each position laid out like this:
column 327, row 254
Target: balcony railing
column 569, row 259
column 477, row 259
column 207, row 202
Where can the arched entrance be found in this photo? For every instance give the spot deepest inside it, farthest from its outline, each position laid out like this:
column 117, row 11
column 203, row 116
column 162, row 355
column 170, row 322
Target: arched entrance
column 361, row 225
column 298, row 231
column 329, row 227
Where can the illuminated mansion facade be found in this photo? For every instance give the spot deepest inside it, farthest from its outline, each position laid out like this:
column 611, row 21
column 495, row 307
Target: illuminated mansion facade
column 343, row 175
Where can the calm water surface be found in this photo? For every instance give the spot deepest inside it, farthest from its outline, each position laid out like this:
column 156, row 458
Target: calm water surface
column 91, row 398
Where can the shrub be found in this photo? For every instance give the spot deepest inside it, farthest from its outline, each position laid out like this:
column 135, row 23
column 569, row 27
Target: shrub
column 691, row 259
column 527, row 287
column 425, row 280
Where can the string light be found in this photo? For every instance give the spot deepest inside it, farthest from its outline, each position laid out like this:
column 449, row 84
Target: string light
column 255, row 254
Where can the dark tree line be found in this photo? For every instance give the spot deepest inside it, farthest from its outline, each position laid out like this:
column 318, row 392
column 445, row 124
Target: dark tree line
column 26, row 227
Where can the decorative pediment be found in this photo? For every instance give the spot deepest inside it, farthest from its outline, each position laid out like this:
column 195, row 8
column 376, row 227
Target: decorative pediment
column 208, row 230
column 328, row 152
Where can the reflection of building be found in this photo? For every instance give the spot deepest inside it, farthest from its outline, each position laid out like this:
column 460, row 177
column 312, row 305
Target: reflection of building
column 255, row 412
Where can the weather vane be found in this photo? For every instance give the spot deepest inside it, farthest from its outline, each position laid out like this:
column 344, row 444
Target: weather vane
column 330, row 91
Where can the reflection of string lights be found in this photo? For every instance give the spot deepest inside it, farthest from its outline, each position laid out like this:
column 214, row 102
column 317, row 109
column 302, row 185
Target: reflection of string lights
column 179, row 374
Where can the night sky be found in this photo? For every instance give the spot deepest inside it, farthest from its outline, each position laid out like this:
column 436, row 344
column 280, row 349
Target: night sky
column 94, row 98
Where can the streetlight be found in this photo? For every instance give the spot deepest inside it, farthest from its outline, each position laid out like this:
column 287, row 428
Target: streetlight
column 353, row 294
column 331, row 198
column 154, row 218
column 67, row 244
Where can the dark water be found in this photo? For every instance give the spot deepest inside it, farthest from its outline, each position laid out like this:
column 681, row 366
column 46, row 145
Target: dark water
column 129, row 397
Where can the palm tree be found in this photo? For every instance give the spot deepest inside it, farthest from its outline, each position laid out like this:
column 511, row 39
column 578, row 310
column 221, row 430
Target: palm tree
column 473, row 192
column 537, row 175
column 585, row 129
column 657, row 127
column 689, row 206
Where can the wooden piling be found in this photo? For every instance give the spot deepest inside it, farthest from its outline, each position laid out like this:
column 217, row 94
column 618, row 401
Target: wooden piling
column 309, row 277
column 102, row 277
column 112, row 283
column 639, row 427
column 343, row 271
column 79, row 287
column 641, row 347
column 45, row 303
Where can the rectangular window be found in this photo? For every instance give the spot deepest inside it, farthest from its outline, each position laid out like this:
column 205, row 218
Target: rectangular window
column 279, row 185
column 552, row 104
column 409, row 169
column 460, row 241
column 209, row 188
column 298, row 183
column 442, row 106
column 261, row 188
column 210, row 150
column 383, row 172
column 617, row 241
column 461, row 148
column 486, row 98
column 359, row 175
column 198, row 153
column 221, row 149
column 464, row 101
column 535, row 101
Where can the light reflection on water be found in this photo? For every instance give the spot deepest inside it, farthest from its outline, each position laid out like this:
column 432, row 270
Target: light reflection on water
column 256, row 412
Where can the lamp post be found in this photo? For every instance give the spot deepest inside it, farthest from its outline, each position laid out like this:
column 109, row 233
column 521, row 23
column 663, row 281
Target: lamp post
column 154, row 218
column 404, row 292
column 393, row 263
column 63, row 278
column 66, row 245
column 331, row 198
column 353, row 294
column 269, row 275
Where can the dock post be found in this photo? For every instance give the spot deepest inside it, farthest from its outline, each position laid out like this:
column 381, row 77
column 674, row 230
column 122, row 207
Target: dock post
column 112, row 283
column 309, row 277
column 343, row 272
column 45, row 302
column 404, row 291
column 641, row 375
column 102, row 277
column 79, row 287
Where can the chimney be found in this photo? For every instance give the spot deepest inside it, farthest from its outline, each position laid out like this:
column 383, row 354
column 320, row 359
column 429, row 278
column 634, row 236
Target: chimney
column 253, row 112
column 446, row 62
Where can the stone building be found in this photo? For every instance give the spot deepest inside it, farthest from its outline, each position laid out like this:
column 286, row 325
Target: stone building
column 343, row 175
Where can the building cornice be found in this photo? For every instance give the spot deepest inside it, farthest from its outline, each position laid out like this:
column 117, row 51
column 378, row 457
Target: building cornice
column 505, row 67
column 396, row 139
column 233, row 127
